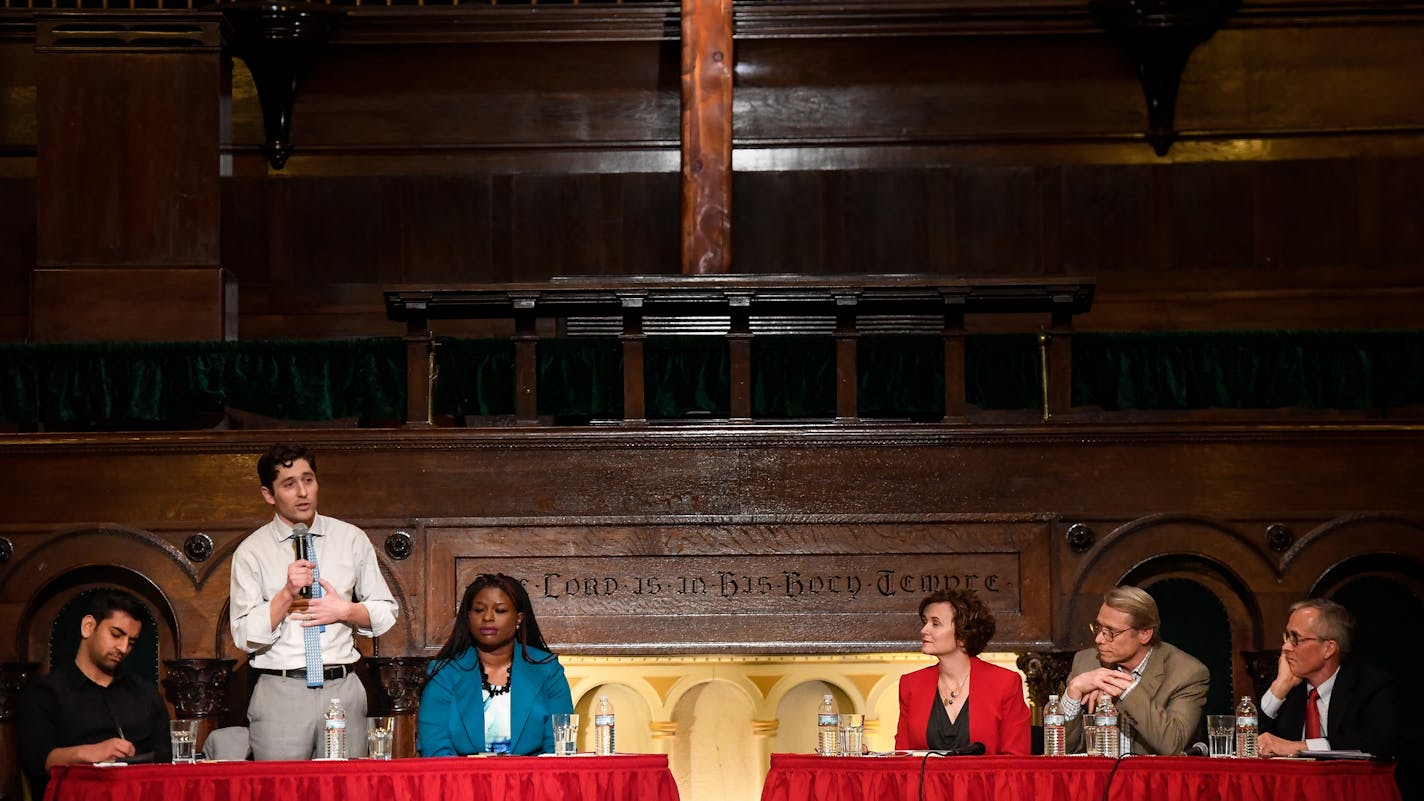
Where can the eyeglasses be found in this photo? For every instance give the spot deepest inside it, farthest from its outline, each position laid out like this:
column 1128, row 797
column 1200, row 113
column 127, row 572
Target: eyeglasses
column 1097, row 628
column 1295, row 639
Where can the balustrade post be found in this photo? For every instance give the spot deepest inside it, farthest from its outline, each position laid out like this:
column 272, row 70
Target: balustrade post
column 847, row 379
column 633, row 340
column 526, row 362
column 955, row 406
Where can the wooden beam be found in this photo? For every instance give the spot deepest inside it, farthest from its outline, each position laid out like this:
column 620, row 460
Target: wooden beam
column 706, row 136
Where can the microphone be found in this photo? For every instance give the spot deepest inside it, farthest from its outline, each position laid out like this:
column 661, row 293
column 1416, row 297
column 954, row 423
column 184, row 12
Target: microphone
column 1197, row 749
column 300, row 537
column 973, row 749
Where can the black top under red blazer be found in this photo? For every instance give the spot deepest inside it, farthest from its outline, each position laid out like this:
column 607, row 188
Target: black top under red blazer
column 998, row 716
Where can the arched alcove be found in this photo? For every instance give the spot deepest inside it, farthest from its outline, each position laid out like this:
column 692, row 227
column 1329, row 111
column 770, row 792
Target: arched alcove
column 1209, row 612
column 713, row 745
column 1380, row 590
column 632, row 734
column 1198, row 624
column 797, row 715
column 50, row 629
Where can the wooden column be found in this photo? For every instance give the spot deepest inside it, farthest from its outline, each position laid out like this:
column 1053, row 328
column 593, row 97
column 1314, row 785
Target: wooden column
column 706, row 136
column 127, row 225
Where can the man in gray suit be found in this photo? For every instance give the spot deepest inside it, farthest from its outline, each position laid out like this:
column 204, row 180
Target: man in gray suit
column 1159, row 690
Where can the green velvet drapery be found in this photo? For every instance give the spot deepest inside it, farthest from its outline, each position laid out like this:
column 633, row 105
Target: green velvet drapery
column 901, row 377
column 182, row 382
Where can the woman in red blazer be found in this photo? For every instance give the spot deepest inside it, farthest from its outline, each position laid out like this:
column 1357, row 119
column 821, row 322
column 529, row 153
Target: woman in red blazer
column 933, row 701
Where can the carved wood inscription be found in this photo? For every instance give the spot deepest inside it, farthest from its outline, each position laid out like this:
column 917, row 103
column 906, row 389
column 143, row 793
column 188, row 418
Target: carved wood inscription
column 751, row 587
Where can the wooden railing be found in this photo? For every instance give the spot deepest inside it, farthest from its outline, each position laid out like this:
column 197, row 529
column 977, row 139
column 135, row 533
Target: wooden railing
column 740, row 307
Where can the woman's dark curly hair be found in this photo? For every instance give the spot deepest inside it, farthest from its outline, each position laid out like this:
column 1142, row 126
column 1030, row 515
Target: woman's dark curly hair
column 973, row 622
column 526, row 634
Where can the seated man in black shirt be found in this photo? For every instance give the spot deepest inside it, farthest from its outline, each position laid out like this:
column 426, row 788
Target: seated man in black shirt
column 88, row 710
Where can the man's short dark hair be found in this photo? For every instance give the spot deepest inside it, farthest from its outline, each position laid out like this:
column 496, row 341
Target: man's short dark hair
column 103, row 603
column 281, row 455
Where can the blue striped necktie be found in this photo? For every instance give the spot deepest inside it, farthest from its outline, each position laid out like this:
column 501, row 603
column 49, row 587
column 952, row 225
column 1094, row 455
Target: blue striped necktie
column 311, row 635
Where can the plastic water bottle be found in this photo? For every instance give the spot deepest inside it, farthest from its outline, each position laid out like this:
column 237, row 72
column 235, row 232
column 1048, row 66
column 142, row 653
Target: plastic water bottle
column 1053, row 728
column 603, row 727
column 335, row 730
column 1246, row 729
column 828, row 736
column 1109, row 739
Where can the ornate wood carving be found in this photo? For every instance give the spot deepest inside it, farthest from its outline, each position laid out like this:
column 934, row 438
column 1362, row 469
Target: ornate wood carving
column 401, row 678
column 1158, row 37
column 198, row 547
column 1045, row 673
column 13, row 676
column 1262, row 667
column 278, row 41
column 198, row 687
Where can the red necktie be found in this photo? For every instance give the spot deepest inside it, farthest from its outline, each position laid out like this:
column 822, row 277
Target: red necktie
column 1312, row 716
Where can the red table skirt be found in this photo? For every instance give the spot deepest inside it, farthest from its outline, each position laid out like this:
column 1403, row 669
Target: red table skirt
column 796, row 777
column 615, row 778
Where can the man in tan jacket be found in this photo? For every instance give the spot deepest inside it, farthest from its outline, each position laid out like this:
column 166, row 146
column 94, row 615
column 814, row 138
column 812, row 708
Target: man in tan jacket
column 1159, row 690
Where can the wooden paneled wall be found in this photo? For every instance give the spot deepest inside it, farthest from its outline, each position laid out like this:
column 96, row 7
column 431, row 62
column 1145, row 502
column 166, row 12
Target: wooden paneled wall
column 465, row 144
column 756, row 540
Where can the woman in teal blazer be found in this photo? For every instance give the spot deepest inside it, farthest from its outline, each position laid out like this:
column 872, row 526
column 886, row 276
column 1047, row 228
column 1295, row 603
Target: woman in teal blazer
column 494, row 684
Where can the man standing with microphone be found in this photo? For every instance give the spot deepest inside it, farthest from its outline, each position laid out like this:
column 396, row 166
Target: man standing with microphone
column 301, row 587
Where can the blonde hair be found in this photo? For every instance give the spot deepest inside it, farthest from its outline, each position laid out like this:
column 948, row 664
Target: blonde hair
column 1139, row 608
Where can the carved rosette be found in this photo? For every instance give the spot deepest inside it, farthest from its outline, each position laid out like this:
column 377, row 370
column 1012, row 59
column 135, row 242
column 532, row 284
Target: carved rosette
column 402, row 679
column 1158, row 37
column 278, row 41
column 13, row 678
column 1046, row 673
column 1261, row 666
column 198, row 687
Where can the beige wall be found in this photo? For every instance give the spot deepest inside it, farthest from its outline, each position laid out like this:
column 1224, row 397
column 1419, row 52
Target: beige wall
column 719, row 718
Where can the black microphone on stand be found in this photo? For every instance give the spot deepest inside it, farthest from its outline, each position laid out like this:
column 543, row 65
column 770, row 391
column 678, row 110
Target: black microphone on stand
column 300, row 537
column 973, row 749
column 1197, row 749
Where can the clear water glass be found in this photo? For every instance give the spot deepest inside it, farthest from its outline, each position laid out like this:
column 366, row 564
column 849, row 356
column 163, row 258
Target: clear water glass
column 380, row 734
column 183, row 735
column 1221, row 735
column 565, row 734
column 852, row 734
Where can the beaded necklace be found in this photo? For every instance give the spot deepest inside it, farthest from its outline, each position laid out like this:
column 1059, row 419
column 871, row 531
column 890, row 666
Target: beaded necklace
column 490, row 688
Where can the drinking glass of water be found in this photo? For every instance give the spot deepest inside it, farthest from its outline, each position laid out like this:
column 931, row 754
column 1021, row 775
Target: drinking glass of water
column 380, row 731
column 183, row 734
column 1221, row 733
column 852, row 733
column 565, row 734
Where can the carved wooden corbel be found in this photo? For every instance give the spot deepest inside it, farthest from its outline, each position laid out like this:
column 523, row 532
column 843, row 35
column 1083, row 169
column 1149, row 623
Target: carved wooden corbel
column 1159, row 36
column 278, row 41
